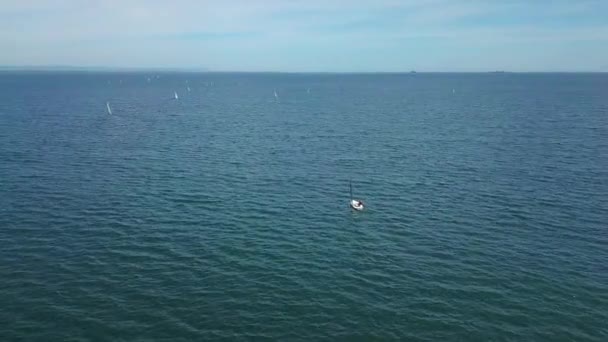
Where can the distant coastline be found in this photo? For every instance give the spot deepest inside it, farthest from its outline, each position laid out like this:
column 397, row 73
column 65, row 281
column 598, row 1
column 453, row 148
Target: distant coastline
column 49, row 68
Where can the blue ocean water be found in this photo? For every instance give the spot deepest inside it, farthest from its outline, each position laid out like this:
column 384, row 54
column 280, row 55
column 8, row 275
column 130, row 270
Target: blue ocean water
column 224, row 215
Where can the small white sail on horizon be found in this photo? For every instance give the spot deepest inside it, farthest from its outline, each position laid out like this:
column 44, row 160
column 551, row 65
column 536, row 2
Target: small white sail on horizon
column 175, row 95
column 108, row 107
column 188, row 88
column 276, row 96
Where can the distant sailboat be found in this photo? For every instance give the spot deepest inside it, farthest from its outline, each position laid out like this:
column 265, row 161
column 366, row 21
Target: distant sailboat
column 276, row 96
column 188, row 88
column 175, row 95
column 108, row 107
column 453, row 91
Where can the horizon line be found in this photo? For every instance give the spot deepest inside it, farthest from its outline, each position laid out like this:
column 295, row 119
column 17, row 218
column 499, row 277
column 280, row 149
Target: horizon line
column 77, row 68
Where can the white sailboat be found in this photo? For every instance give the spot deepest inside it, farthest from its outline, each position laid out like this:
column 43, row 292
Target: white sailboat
column 188, row 88
column 355, row 204
column 276, row 96
column 175, row 95
column 108, row 107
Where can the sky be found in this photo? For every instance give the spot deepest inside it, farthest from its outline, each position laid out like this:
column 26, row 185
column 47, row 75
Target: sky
column 308, row 35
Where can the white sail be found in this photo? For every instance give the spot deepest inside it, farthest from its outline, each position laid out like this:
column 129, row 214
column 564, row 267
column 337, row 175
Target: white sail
column 175, row 95
column 108, row 107
column 276, row 96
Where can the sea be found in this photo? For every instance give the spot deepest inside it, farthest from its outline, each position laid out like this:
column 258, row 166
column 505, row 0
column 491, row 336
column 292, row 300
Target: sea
column 223, row 215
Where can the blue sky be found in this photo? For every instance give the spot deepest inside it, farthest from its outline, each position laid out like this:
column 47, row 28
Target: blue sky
column 308, row 35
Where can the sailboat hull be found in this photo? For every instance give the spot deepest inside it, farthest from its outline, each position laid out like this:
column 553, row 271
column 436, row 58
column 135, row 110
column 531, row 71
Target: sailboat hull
column 356, row 205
